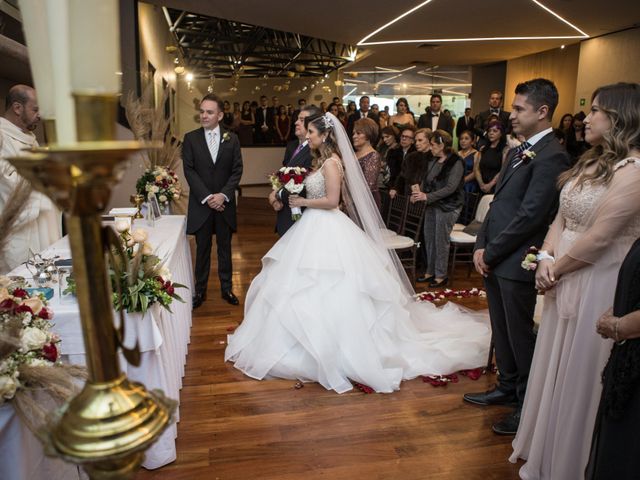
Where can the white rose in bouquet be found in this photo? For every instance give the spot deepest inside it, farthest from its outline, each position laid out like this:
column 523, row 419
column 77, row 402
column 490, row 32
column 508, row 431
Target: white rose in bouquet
column 162, row 198
column 8, row 387
column 33, row 339
column 155, row 189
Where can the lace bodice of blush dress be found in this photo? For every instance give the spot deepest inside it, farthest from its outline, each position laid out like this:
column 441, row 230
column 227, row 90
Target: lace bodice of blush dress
column 577, row 205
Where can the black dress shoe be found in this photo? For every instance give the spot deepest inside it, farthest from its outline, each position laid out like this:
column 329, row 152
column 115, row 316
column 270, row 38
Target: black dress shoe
column 198, row 299
column 230, row 298
column 424, row 279
column 438, row 283
column 491, row 397
column 509, row 424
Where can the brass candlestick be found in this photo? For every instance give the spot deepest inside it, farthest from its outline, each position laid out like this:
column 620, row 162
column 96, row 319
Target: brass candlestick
column 137, row 200
column 107, row 427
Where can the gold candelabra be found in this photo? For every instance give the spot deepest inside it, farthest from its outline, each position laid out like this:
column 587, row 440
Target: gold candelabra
column 110, row 423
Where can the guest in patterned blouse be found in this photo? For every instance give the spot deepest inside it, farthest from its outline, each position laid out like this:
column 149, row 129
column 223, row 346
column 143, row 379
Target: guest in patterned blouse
column 365, row 134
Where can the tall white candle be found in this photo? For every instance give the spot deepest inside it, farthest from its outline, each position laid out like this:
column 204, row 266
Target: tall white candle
column 95, row 46
column 34, row 24
column 57, row 12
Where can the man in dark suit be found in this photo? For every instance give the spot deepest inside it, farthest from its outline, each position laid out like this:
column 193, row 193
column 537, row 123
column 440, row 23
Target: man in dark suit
column 265, row 123
column 465, row 122
column 213, row 166
column 363, row 112
column 495, row 108
column 524, row 205
column 297, row 154
column 434, row 118
column 396, row 156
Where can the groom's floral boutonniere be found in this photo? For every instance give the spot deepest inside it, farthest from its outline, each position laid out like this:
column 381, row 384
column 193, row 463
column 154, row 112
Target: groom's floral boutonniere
column 225, row 137
column 524, row 157
column 527, row 156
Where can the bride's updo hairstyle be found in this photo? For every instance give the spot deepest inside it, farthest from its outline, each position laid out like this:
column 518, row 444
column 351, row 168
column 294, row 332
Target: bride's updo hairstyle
column 620, row 102
column 324, row 124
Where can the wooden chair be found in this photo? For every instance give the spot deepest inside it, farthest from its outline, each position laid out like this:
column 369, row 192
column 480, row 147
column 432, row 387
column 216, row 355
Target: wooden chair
column 406, row 244
column 397, row 213
column 468, row 210
column 463, row 243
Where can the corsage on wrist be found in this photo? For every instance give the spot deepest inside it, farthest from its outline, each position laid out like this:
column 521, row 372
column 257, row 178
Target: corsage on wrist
column 533, row 257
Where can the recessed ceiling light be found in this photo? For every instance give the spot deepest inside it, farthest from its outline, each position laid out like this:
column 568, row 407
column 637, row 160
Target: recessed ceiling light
column 364, row 41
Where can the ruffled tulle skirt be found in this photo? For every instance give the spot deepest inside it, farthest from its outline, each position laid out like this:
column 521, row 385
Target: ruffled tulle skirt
column 327, row 307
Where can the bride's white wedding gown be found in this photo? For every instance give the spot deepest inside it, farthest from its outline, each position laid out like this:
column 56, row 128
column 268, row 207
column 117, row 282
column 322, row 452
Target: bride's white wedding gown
column 327, row 308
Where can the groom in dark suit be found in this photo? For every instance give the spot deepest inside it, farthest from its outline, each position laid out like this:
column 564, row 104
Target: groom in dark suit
column 213, row 166
column 297, row 154
column 524, row 205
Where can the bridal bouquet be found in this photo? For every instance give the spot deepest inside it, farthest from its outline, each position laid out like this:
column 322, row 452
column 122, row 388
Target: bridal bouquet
column 161, row 181
column 292, row 180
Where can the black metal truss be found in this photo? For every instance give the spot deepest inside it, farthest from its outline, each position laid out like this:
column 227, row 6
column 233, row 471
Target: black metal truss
column 226, row 48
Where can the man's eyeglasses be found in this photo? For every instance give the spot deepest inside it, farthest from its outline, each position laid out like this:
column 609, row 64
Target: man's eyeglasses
column 406, row 137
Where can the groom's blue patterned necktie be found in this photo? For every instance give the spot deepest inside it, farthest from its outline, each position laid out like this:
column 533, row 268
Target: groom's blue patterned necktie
column 517, row 153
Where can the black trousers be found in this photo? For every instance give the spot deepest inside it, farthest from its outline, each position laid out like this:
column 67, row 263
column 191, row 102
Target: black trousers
column 214, row 225
column 511, row 307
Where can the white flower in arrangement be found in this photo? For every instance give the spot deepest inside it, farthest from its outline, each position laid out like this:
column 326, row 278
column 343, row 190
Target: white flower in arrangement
column 155, row 189
column 140, row 236
column 8, row 387
column 162, row 198
column 147, row 249
column 38, row 362
column 122, row 225
column 33, row 339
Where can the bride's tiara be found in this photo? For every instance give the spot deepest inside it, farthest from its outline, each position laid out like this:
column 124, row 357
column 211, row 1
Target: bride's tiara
column 328, row 122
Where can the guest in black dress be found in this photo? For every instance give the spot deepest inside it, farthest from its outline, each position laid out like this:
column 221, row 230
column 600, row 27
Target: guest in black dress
column 245, row 129
column 616, row 436
column 491, row 157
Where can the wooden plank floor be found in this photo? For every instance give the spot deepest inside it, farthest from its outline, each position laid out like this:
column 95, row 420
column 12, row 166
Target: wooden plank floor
column 236, row 428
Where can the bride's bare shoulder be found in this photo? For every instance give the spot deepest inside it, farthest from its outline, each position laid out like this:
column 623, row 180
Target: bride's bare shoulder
column 335, row 161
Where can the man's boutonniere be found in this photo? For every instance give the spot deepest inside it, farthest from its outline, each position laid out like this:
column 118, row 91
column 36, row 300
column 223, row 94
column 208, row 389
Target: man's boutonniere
column 524, row 157
column 225, row 137
column 527, row 156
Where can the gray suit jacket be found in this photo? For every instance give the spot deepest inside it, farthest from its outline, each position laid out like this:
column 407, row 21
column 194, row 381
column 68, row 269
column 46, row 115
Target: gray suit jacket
column 525, row 203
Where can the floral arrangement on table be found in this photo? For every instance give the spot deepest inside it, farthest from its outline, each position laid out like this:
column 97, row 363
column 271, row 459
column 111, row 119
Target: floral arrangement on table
column 145, row 278
column 150, row 123
column 160, row 181
column 30, row 356
column 292, row 180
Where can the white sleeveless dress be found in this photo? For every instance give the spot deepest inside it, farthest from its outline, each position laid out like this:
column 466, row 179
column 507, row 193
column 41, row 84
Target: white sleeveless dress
column 326, row 308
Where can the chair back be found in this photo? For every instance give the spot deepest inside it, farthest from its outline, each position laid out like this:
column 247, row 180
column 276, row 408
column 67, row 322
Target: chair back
column 413, row 220
column 483, row 207
column 397, row 213
column 469, row 207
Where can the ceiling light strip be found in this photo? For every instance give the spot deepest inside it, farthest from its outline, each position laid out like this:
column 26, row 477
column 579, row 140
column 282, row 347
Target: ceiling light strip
column 477, row 39
column 408, row 12
column 547, row 9
column 364, row 42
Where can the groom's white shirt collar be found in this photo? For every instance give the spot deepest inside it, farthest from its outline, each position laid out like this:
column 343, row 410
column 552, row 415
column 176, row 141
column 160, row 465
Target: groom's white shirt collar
column 538, row 136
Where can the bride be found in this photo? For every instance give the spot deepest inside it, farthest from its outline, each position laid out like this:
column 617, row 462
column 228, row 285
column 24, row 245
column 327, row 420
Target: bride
column 333, row 305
